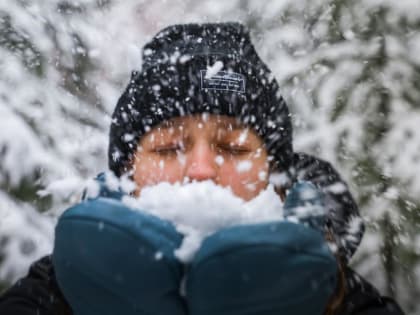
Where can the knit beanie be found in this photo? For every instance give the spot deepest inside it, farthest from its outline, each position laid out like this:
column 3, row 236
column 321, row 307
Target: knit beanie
column 200, row 68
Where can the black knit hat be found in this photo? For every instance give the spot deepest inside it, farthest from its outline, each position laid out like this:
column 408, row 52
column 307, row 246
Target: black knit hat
column 200, row 68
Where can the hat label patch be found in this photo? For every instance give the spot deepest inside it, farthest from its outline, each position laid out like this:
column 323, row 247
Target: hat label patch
column 223, row 81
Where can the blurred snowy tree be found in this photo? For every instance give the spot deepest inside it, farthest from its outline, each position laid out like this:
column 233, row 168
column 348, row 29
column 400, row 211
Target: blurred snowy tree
column 52, row 121
column 352, row 66
column 349, row 69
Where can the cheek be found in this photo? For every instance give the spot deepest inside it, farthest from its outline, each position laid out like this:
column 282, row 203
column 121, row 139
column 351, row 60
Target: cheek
column 153, row 171
column 246, row 178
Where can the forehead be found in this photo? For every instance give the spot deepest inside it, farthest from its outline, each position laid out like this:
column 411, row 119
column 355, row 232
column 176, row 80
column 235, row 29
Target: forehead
column 211, row 122
column 213, row 126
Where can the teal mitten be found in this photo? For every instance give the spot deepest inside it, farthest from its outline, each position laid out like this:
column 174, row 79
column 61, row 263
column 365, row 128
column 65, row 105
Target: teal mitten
column 111, row 260
column 262, row 269
column 306, row 203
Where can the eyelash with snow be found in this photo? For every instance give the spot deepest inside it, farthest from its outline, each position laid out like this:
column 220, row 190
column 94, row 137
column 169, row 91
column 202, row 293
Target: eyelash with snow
column 168, row 150
column 234, row 150
column 222, row 148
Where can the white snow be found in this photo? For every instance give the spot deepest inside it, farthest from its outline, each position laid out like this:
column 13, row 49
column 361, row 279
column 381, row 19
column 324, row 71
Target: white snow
column 50, row 130
column 336, row 188
column 278, row 179
column 353, row 227
column 128, row 137
column 200, row 208
column 244, row 166
column 307, row 211
column 214, row 69
column 219, row 160
column 184, row 58
column 29, row 236
column 243, row 136
column 64, row 187
column 262, row 175
column 158, row 255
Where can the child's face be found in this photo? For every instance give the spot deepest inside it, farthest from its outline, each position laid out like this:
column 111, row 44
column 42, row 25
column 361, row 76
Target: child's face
column 203, row 147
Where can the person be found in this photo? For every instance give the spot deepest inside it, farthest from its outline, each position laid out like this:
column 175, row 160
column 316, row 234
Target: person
column 203, row 103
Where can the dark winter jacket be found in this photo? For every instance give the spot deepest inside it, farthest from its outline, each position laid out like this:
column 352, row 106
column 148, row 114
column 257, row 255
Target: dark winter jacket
column 38, row 292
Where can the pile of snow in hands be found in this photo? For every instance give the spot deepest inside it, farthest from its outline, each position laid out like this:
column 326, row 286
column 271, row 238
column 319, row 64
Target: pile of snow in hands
column 199, row 209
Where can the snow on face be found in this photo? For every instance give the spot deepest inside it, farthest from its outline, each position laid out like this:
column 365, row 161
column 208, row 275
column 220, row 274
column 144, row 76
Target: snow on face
column 244, row 166
column 262, row 175
column 219, row 160
column 198, row 209
column 203, row 173
column 210, row 147
column 243, row 136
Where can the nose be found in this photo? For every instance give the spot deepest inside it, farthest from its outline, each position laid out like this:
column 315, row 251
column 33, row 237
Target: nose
column 201, row 164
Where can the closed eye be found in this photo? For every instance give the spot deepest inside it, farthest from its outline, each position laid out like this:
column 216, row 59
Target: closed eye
column 233, row 149
column 167, row 150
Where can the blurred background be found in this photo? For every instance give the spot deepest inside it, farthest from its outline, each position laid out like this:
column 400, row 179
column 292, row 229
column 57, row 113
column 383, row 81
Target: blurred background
column 349, row 70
